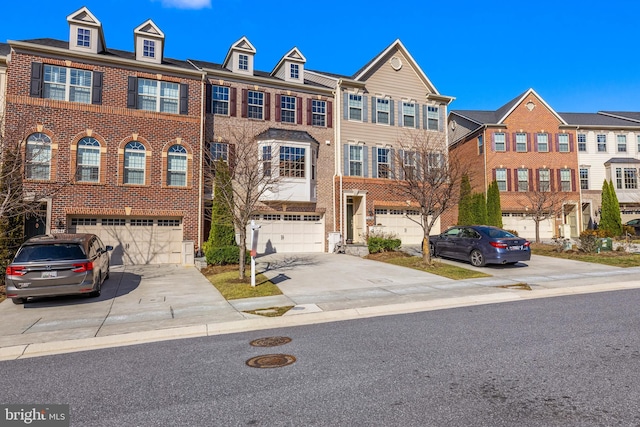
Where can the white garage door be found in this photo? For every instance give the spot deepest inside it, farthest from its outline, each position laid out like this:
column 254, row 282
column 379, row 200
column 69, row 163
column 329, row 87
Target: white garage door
column 526, row 227
column 402, row 223
column 289, row 232
column 136, row 240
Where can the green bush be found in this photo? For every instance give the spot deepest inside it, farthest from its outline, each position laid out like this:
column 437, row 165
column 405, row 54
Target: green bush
column 383, row 242
column 589, row 241
column 224, row 255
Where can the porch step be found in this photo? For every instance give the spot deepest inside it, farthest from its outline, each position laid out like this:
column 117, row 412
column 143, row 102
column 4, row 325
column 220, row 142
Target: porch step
column 357, row 250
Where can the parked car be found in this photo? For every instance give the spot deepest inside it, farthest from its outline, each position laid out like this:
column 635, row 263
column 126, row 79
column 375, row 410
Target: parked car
column 59, row 264
column 480, row 245
column 635, row 223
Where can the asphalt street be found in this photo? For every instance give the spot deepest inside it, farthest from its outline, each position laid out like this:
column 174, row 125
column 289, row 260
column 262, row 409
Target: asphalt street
column 566, row 361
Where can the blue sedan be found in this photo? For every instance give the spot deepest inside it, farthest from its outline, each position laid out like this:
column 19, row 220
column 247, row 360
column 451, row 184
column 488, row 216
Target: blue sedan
column 480, row 245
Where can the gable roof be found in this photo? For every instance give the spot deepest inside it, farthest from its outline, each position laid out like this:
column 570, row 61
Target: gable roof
column 377, row 60
column 83, row 16
column 628, row 115
column 243, row 44
column 293, row 55
column 285, row 135
column 598, row 120
column 5, row 49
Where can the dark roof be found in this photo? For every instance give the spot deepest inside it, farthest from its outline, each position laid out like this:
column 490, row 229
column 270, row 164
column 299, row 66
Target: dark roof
column 627, row 160
column 500, row 112
column 478, row 116
column 631, row 115
column 4, row 49
column 595, row 119
column 286, row 135
column 113, row 53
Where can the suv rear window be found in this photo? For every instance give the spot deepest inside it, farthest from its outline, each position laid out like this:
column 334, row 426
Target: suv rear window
column 57, row 252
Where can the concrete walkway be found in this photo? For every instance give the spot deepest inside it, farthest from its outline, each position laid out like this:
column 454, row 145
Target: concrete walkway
column 150, row 303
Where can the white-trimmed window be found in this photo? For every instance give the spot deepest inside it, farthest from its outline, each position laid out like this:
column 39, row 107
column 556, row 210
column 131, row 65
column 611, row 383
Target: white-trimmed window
column 67, row 84
column 287, row 109
column 433, row 117
column 626, row 178
column 384, row 162
column 219, row 151
column 544, row 180
column 318, row 112
column 134, row 163
column 255, row 104
column 409, row 114
column 542, row 141
column 601, row 140
column 563, row 143
column 38, row 157
column 88, row 160
column 582, row 142
column 584, row 179
column 383, row 110
column 500, row 141
column 521, row 142
column 177, row 166
column 220, row 100
column 622, row 143
column 243, row 62
column 149, row 48
column 501, row 179
column 355, row 107
column 84, row 37
column 409, row 165
column 295, row 71
column 523, row 179
column 638, row 143
column 565, row 180
column 266, row 160
column 292, row 162
column 155, row 95
column 355, row 160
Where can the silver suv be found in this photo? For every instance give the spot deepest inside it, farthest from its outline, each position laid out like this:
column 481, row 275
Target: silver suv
column 59, row 264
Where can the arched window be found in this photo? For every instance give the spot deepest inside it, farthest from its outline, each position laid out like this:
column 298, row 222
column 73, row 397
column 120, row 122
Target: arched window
column 177, row 166
column 134, row 163
column 38, row 156
column 88, row 159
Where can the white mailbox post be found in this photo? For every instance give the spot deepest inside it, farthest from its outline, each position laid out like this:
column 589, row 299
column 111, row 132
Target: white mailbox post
column 254, row 250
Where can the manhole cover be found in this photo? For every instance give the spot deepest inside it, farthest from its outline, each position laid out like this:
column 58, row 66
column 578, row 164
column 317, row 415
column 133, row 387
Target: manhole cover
column 271, row 361
column 270, row 341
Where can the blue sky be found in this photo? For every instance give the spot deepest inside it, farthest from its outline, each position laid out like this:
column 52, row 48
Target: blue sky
column 580, row 56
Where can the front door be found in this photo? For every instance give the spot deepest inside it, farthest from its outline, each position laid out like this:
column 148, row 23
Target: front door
column 349, row 220
column 35, row 222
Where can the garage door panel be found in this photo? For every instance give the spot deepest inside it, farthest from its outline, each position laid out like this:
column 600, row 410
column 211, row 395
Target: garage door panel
column 289, row 233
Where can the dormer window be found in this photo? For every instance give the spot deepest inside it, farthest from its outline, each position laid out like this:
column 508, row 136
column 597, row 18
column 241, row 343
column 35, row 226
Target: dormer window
column 149, row 49
column 84, row 37
column 295, row 71
column 243, row 62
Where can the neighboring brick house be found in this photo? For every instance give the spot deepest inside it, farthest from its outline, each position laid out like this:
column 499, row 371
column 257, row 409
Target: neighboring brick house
column 528, row 149
column 112, row 137
column 5, row 49
column 378, row 110
column 608, row 146
column 290, row 117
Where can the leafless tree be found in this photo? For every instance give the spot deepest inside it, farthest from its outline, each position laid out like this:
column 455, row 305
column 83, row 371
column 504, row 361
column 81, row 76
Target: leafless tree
column 427, row 175
column 253, row 175
column 541, row 205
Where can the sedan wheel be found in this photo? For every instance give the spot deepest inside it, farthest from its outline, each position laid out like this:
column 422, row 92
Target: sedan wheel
column 476, row 258
column 432, row 249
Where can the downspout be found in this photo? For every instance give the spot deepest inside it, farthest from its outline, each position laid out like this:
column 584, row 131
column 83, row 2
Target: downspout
column 484, row 156
column 337, row 155
column 200, row 174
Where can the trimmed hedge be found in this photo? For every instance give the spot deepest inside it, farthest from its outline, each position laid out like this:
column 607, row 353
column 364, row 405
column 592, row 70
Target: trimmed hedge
column 224, row 255
column 382, row 244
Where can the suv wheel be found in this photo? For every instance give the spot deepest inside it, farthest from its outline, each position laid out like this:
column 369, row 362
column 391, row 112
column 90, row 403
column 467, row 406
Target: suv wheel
column 18, row 300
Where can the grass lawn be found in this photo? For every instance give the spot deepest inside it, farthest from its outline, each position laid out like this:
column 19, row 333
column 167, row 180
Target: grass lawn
column 225, row 279
column 437, row 267
column 613, row 258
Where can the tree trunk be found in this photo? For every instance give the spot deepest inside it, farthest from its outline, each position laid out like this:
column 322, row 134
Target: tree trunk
column 243, row 254
column 426, row 250
column 537, row 231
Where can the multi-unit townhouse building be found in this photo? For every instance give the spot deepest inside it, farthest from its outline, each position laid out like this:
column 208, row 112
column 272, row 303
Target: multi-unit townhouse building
column 527, row 147
column 112, row 139
column 379, row 110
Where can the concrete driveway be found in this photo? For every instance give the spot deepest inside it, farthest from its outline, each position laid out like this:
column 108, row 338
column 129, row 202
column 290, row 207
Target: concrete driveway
column 134, row 298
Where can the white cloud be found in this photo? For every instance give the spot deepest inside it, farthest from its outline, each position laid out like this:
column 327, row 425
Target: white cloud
column 187, row 4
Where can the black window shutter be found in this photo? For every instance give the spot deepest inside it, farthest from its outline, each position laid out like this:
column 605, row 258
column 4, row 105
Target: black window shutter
column 36, row 80
column 232, row 101
column 278, row 108
column 573, row 180
column 299, row 110
column 208, row 105
column 245, row 100
column 506, row 141
column 417, row 116
column 329, row 114
column 509, row 179
column 391, row 113
column 309, row 105
column 267, row 106
column 132, row 92
column 184, row 98
column 96, row 88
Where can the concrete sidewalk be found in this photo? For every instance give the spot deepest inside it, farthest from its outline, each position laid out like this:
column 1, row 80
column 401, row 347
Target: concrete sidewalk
column 150, row 303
